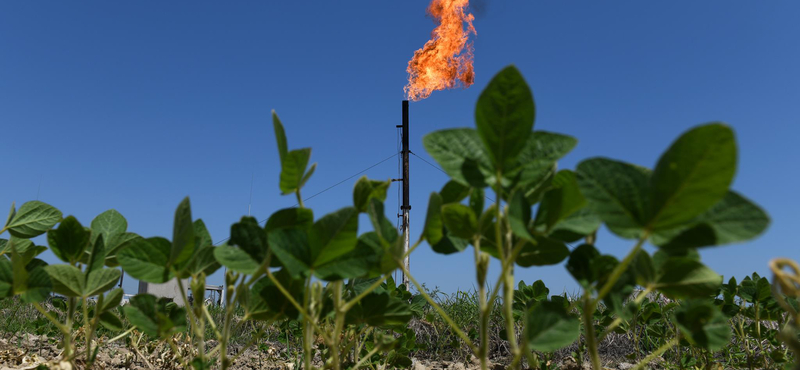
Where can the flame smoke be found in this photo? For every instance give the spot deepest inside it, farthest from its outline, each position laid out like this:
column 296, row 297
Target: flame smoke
column 446, row 59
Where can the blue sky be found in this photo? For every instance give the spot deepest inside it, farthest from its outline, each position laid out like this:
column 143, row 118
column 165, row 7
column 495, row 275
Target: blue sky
column 134, row 105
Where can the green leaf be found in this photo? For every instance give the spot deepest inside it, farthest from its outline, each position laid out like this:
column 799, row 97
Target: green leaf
column 302, row 218
column 693, row 175
column 33, row 219
column 519, row 215
column 576, row 226
column 366, row 189
column 102, row 280
column 6, row 278
column 359, row 262
column 183, row 243
column 97, row 255
column 291, row 247
column 644, row 269
column 115, row 244
column 454, row 192
column 504, row 116
column 37, row 287
column 250, row 237
column 380, row 310
column 542, row 251
column 561, row 201
column 112, row 299
column 617, row 193
column 108, row 224
column 146, row 259
column 11, row 214
column 682, row 277
column 308, row 174
column 460, row 150
column 203, row 261
column 67, row 280
column 732, row 220
column 279, row 305
column 202, row 238
column 538, row 158
column 755, row 291
column 703, row 325
column 550, row 327
column 583, row 266
column 439, row 238
column 236, row 259
column 156, row 317
column 293, row 167
column 460, row 220
column 476, row 201
column 110, row 321
column 333, row 235
column 69, row 241
column 280, row 135
column 385, row 229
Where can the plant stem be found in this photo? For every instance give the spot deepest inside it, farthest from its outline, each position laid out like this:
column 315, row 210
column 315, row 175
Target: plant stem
column 588, row 326
column 619, row 270
column 307, row 331
column 123, row 335
column 665, row 347
column 299, row 202
column 618, row 320
column 482, row 306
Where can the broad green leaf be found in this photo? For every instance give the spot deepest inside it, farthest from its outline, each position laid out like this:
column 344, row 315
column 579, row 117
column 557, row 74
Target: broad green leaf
column 112, row 299
column 293, row 167
column 438, row 237
column 108, row 224
column 576, row 226
column 202, row 238
column 476, row 200
column 458, row 149
column 280, row 135
column 538, row 158
column 115, row 244
column 69, row 241
column 183, row 243
column 519, row 215
column 236, row 259
column 434, row 226
column 682, row 277
column 385, row 229
column 734, row 219
column 504, row 116
column 366, row 189
column 11, row 214
column 67, row 280
column 250, row 237
column 527, row 295
column 6, row 278
column 97, row 255
column 279, row 305
column 703, row 325
column 755, row 291
column 37, row 287
column 102, row 280
column 693, row 175
column 33, row 219
column 291, row 247
column 156, row 317
column 644, row 269
column 550, row 327
column 110, row 321
column 542, row 251
column 203, row 261
column 460, row 220
column 617, row 192
column 146, row 259
column 561, row 201
column 454, row 192
column 302, row 218
column 380, row 310
column 308, row 174
column 333, row 235
column 359, row 262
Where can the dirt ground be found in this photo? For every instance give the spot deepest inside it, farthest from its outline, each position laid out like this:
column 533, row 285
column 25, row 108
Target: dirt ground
column 31, row 351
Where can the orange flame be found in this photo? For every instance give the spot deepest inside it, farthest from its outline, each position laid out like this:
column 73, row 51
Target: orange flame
column 446, row 59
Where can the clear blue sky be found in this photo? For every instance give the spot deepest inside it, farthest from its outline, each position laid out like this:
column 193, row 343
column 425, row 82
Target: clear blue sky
column 134, row 105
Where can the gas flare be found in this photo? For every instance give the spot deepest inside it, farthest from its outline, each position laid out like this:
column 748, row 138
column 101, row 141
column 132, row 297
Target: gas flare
column 446, row 59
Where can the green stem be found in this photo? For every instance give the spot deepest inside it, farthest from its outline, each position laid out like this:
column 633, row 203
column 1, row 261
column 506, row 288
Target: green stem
column 482, row 306
column 658, row 352
column 588, row 326
column 123, row 335
column 367, row 357
column 58, row 324
column 619, row 270
column 307, row 331
column 299, row 203
column 617, row 321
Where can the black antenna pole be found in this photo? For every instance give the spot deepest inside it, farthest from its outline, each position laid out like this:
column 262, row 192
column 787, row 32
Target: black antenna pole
column 406, row 207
